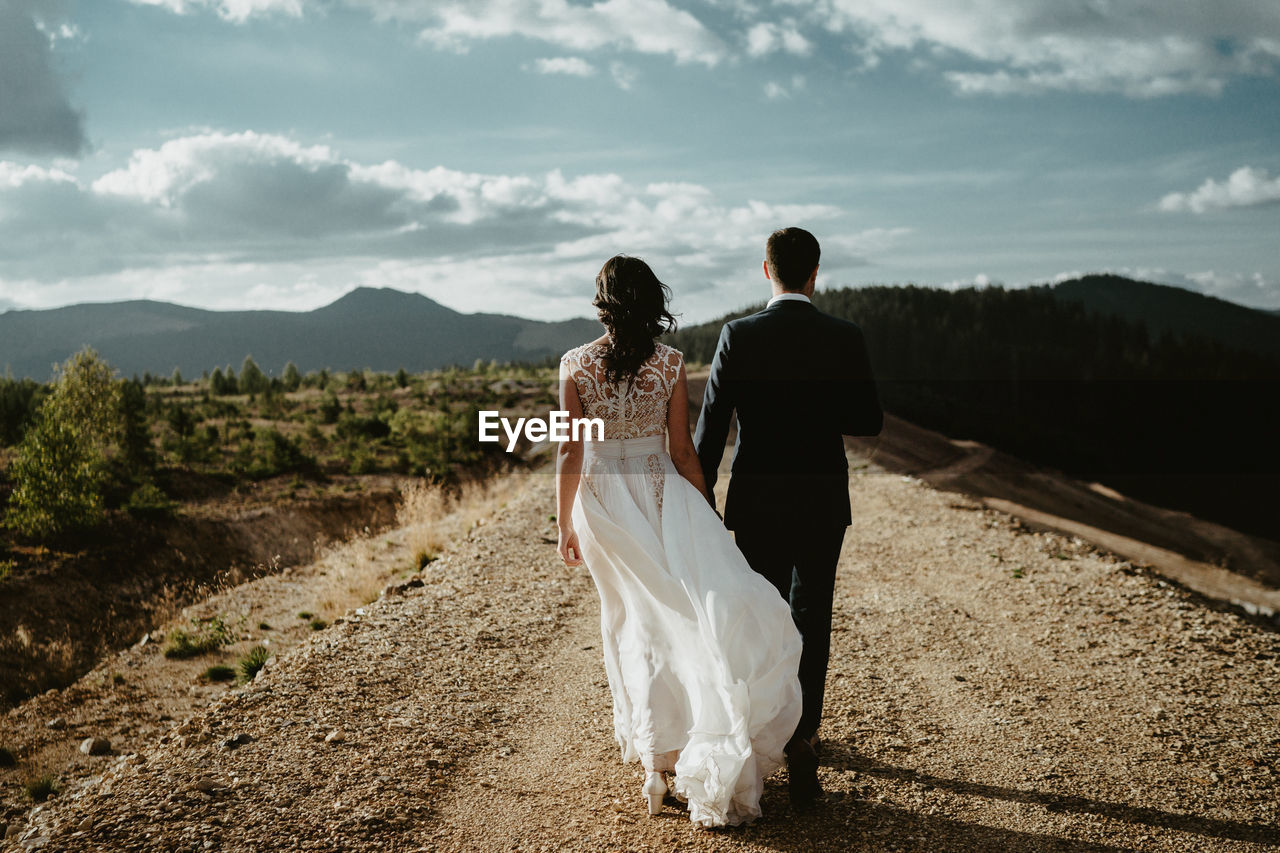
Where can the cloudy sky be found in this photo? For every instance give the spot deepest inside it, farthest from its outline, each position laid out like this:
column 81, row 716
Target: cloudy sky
column 493, row 153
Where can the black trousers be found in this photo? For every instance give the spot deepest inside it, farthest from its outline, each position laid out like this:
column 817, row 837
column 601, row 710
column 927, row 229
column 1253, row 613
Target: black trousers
column 802, row 565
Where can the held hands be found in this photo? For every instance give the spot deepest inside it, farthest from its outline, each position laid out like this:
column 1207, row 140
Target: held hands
column 568, row 547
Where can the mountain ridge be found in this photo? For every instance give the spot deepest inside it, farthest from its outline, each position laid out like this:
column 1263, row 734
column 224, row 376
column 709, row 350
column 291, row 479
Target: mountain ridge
column 367, row 327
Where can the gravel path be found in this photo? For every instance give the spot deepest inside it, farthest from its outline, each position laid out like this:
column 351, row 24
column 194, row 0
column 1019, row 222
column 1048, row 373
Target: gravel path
column 992, row 688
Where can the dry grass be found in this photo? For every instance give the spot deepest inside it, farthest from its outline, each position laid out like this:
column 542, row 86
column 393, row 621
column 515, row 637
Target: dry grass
column 428, row 518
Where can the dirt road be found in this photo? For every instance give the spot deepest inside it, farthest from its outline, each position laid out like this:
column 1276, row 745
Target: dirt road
column 991, row 689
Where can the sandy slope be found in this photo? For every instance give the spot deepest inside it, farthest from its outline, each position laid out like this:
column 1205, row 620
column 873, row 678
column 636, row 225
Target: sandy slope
column 991, row 689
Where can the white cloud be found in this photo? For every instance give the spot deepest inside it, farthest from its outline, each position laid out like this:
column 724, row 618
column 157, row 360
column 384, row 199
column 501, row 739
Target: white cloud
column 623, row 75
column 238, row 11
column 213, row 217
column 571, row 65
column 1246, row 187
column 774, row 90
column 767, row 37
column 1140, row 48
column 642, row 26
column 36, row 115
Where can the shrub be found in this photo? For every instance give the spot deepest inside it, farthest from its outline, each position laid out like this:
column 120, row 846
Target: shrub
column 213, row 634
column 19, row 400
column 292, row 379
column 270, row 453
column 149, row 501
column 41, row 788
column 218, row 672
column 7, row 758
column 356, row 426
column 330, row 408
column 252, row 662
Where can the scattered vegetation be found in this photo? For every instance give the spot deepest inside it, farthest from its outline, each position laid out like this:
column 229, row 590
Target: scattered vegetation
column 252, row 662
column 218, row 672
column 89, row 443
column 207, row 635
column 42, row 787
column 318, row 624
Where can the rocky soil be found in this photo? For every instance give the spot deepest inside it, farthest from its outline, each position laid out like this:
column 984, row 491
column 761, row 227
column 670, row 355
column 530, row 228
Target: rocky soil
column 991, row 688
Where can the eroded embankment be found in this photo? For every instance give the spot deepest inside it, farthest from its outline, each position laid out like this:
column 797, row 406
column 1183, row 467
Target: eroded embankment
column 64, row 612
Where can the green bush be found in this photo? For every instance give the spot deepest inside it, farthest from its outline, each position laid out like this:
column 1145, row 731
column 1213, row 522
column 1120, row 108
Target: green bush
column 41, row 788
column 19, row 400
column 207, row 636
column 356, row 426
column 330, row 408
column 149, row 501
column 270, row 453
column 219, row 672
column 252, row 662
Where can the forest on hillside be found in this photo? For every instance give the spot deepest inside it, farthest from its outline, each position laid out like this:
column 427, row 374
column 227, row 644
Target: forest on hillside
column 1179, row 420
column 90, row 445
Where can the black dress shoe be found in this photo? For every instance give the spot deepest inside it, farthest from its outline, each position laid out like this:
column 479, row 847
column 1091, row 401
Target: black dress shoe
column 802, row 774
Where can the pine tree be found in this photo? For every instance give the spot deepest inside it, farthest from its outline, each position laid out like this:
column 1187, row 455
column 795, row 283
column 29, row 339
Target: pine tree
column 252, row 379
column 62, row 466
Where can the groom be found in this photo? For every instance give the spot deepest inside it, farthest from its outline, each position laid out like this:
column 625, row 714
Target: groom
column 800, row 380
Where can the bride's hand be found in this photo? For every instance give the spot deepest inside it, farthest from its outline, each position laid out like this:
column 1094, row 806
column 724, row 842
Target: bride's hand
column 569, row 549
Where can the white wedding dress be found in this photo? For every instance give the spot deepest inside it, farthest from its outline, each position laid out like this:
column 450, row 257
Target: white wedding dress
column 701, row 652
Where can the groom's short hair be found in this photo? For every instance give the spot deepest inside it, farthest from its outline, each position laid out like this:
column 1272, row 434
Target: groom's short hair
column 792, row 254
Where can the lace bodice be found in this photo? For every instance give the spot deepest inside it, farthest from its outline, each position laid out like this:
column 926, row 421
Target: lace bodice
column 629, row 410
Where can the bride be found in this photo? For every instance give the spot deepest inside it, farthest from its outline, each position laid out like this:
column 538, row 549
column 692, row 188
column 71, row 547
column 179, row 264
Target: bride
column 700, row 651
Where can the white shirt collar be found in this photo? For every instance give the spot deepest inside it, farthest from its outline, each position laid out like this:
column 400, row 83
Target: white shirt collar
column 783, row 297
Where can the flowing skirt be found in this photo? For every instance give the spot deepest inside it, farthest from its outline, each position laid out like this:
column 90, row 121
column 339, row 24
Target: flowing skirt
column 701, row 653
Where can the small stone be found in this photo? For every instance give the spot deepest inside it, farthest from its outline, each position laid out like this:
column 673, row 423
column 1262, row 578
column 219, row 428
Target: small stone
column 335, row 736
column 57, row 723
column 238, row 740
column 85, row 825
column 208, row 784
column 95, row 746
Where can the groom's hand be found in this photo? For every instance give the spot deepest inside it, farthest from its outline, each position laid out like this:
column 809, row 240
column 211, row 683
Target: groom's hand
column 568, row 547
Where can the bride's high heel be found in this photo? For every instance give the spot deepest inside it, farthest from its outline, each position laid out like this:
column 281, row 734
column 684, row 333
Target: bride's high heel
column 655, row 788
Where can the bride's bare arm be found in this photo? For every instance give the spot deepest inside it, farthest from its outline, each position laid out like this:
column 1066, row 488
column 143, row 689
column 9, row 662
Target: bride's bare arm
column 679, row 443
column 568, row 474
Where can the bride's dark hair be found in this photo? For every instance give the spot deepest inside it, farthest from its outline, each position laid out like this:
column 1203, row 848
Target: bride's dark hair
column 632, row 305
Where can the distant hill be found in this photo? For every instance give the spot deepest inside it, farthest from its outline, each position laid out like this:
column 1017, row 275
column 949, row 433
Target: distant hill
column 1080, row 377
column 376, row 328
column 1164, row 308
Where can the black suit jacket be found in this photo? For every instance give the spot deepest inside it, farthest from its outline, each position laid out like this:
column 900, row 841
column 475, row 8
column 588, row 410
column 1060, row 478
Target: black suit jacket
column 800, row 380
